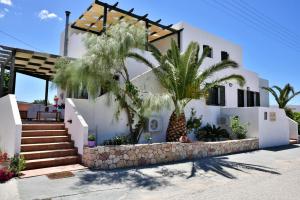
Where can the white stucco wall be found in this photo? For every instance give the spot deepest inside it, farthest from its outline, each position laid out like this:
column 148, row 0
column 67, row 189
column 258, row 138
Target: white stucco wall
column 270, row 133
column 10, row 125
column 77, row 128
column 264, row 95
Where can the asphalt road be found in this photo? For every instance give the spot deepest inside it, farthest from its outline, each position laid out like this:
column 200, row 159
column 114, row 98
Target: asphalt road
column 272, row 174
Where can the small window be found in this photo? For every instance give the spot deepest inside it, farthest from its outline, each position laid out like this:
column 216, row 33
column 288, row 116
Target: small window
column 210, row 52
column 224, row 55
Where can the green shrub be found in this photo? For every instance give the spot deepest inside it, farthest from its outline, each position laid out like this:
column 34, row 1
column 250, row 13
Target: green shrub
column 117, row 140
column 92, row 138
column 296, row 117
column 239, row 130
column 17, row 164
column 211, row 133
column 193, row 123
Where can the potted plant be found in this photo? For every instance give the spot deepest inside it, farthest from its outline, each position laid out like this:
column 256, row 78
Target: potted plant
column 92, row 140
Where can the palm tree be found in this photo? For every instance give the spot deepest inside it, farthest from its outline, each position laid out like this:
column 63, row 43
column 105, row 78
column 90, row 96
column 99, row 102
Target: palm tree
column 184, row 79
column 99, row 68
column 283, row 95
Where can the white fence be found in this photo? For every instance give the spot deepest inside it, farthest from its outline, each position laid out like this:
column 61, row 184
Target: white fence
column 10, row 125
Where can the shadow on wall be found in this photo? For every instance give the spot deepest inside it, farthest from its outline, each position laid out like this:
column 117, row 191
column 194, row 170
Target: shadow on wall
column 136, row 178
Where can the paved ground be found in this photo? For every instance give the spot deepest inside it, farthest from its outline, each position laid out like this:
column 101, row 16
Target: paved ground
column 267, row 174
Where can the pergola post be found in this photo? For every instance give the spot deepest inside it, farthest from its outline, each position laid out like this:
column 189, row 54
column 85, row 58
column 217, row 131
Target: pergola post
column 104, row 18
column 46, row 92
column 14, row 85
column 179, row 39
column 2, row 81
column 12, row 73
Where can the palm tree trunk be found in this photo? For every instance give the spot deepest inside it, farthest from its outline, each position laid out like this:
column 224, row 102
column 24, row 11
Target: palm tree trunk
column 176, row 127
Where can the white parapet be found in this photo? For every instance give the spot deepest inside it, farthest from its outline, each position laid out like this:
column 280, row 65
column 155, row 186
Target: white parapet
column 10, row 125
column 293, row 128
column 77, row 126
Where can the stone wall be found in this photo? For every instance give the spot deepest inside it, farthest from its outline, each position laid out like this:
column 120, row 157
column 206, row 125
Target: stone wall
column 111, row 157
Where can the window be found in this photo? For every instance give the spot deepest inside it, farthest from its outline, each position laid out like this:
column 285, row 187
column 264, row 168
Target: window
column 241, row 98
column 253, row 99
column 224, row 55
column 216, row 96
column 210, row 52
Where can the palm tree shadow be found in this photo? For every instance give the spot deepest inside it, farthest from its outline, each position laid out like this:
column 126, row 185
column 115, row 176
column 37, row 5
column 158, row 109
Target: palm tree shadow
column 220, row 164
column 131, row 178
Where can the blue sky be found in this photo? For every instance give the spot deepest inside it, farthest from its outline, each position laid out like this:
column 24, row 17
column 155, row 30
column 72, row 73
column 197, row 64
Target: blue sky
column 267, row 30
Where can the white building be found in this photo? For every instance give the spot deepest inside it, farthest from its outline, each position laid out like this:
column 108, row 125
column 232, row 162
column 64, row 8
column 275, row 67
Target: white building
column 83, row 116
column 249, row 101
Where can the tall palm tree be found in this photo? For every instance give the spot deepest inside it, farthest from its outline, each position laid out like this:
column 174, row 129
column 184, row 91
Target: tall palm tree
column 101, row 68
column 184, row 79
column 282, row 95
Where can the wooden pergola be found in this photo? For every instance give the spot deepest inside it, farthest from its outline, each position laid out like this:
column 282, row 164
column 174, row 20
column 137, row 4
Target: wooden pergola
column 35, row 64
column 100, row 16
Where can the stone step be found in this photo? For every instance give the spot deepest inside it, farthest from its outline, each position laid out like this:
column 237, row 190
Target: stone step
column 51, row 162
column 45, row 139
column 49, row 154
column 38, row 133
column 43, row 127
column 46, row 146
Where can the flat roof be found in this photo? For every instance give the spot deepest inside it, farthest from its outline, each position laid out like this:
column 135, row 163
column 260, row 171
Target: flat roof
column 32, row 63
column 100, row 15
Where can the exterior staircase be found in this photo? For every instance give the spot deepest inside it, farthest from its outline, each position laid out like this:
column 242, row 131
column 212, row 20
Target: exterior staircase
column 47, row 145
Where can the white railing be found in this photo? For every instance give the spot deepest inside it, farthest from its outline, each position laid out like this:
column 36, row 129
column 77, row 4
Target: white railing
column 10, row 125
column 77, row 126
column 293, row 129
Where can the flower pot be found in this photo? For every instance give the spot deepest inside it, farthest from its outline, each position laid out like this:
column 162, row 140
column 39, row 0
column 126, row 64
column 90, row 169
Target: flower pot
column 92, row 143
column 4, row 165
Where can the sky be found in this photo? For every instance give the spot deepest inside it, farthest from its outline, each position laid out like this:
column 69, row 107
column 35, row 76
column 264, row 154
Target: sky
column 267, row 30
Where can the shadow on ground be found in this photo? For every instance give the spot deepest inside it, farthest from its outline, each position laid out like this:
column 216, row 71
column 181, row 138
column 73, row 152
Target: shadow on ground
column 129, row 177
column 135, row 178
column 221, row 165
column 282, row 148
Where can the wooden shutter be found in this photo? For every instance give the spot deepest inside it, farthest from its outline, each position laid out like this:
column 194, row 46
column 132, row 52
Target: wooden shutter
column 222, row 95
column 257, row 99
column 241, row 98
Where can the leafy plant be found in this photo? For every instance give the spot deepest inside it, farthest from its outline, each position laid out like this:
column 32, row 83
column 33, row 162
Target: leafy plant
column 238, row 129
column 17, row 164
column 148, row 138
column 296, row 117
column 118, row 140
column 194, row 123
column 211, row 133
column 5, row 175
column 91, row 137
column 182, row 76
